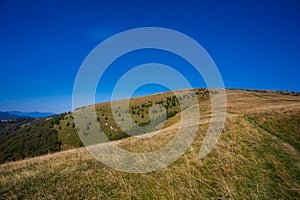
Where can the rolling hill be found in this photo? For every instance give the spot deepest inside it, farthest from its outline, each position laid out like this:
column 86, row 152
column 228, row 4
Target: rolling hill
column 256, row 157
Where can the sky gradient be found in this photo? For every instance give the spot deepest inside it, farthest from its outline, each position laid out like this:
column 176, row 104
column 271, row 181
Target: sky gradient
column 255, row 45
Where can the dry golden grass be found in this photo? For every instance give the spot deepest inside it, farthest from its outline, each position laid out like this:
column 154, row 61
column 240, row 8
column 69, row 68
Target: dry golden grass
column 248, row 162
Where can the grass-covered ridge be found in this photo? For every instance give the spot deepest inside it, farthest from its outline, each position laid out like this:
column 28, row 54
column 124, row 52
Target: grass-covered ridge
column 24, row 138
column 250, row 161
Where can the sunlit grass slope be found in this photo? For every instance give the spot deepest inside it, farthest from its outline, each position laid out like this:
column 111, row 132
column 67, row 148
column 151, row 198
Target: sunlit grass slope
column 256, row 157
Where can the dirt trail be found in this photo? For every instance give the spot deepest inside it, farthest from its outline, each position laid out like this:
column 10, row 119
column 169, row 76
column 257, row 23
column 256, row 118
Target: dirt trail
column 285, row 144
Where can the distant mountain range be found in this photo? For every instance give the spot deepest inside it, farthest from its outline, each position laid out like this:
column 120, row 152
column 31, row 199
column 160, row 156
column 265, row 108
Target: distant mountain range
column 6, row 115
column 18, row 114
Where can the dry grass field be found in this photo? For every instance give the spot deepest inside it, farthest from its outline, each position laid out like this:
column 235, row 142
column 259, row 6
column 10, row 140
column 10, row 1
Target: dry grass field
column 256, row 157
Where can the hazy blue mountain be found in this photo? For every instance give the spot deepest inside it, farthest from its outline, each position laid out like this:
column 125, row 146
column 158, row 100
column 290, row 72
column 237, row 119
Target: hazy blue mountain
column 6, row 115
column 32, row 114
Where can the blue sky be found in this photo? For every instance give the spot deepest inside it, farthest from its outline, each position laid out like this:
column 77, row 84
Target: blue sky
column 255, row 44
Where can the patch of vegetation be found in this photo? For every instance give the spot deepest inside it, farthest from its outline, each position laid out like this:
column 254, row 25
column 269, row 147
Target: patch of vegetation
column 34, row 140
column 67, row 133
column 8, row 127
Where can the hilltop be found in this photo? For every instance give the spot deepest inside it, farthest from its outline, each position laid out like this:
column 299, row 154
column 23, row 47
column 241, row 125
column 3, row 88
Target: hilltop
column 256, row 157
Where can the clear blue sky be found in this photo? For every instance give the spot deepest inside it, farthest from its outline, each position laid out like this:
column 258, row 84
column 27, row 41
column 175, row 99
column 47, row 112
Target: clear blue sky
column 255, row 44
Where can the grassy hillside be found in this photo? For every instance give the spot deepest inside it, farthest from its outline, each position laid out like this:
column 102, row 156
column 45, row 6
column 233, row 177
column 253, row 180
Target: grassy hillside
column 256, row 157
column 23, row 138
column 139, row 112
column 284, row 124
